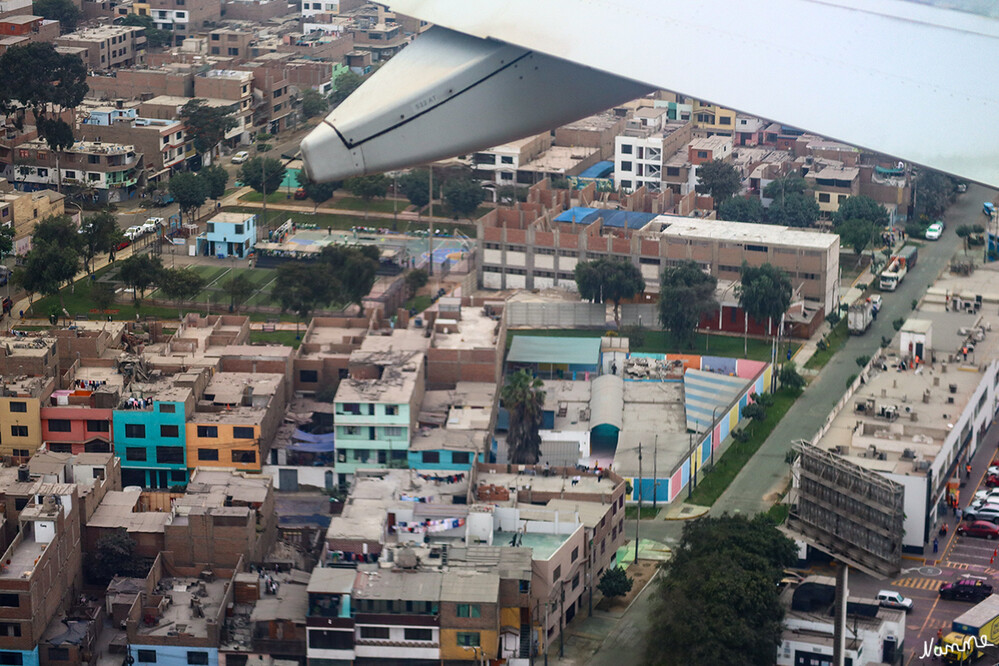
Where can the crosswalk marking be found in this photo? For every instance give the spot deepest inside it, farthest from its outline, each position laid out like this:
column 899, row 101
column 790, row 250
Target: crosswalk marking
column 954, row 565
column 919, row 583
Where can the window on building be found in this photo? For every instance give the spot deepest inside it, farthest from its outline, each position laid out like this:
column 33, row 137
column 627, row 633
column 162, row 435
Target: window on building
column 208, row 454
column 757, row 248
column 20, row 503
column 60, row 425
column 326, row 640
column 841, row 198
column 469, row 610
column 626, row 148
column 170, row 455
column 468, row 638
column 557, row 573
column 97, row 446
column 70, row 174
column 12, row 629
column 242, row 432
column 823, row 197
column 525, row 587
column 575, row 581
column 391, row 410
column 18, row 406
column 308, row 376
column 702, row 154
column 146, row 656
column 94, row 425
column 215, row 49
column 506, row 159
column 168, row 408
column 135, row 454
column 233, row 51
column 378, row 633
column 422, row 635
column 208, row 431
column 199, row 658
column 392, row 431
column 18, row 431
column 135, row 430
column 210, row 227
column 626, row 184
column 169, row 431
column 58, row 654
column 431, row 457
column 575, row 554
column 627, row 166
column 725, row 120
column 461, row 457
column 244, row 456
column 11, row 659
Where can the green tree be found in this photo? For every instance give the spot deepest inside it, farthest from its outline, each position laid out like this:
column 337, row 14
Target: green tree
column 98, row 234
column 741, row 209
column 352, row 270
column 313, row 103
column 932, row 192
column 344, row 85
column 64, row 11
column 794, row 210
column 415, row 186
column 463, row 197
column 317, row 192
column 754, row 411
column 239, row 287
column 613, row 280
column 57, row 230
column 190, row 192
column 615, row 583
column 38, row 79
column 155, row 38
column 524, row 398
column 47, row 266
column 263, row 174
column 206, row 125
column 764, row 293
column 367, row 188
column 101, row 295
column 718, row 179
column 686, row 294
column 790, row 184
column 724, row 573
column 140, row 271
column 415, row 280
column 115, row 556
column 790, row 378
column 963, row 232
column 6, row 241
column 858, row 233
column 862, row 207
column 180, row 285
column 216, row 177
column 302, row 287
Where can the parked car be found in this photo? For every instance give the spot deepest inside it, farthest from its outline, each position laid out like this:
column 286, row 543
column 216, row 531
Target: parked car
column 934, row 231
column 966, row 589
column 989, row 512
column 991, row 481
column 993, row 470
column 240, row 157
column 979, row 528
column 991, row 492
column 151, row 225
column 300, row 193
column 892, row 599
column 988, row 208
column 122, row 245
column 132, row 232
column 961, row 188
column 4, row 275
column 7, row 304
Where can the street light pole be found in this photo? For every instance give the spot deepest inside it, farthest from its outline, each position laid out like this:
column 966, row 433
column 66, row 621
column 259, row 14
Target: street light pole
column 639, row 521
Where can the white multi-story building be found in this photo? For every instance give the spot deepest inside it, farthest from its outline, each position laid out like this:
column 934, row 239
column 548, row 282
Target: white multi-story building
column 639, row 151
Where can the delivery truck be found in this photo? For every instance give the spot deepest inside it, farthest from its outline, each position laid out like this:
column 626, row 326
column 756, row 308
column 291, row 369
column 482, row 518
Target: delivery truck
column 971, row 633
column 897, row 268
column 860, row 316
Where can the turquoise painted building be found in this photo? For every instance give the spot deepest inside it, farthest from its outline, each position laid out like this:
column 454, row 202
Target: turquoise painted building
column 445, row 460
column 20, row 657
column 152, row 441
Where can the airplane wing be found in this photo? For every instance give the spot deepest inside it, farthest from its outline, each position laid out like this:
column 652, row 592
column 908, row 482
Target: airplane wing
column 908, row 79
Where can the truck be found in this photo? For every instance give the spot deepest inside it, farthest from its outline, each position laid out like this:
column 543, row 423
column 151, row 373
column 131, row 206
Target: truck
column 898, row 267
column 860, row 316
column 162, row 199
column 971, row 632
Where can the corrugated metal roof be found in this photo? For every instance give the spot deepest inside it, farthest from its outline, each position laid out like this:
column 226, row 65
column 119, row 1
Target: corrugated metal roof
column 559, row 351
column 607, row 401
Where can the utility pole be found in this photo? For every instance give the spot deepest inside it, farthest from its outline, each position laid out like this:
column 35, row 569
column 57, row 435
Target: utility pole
column 639, row 521
column 655, row 477
column 430, row 247
column 561, row 620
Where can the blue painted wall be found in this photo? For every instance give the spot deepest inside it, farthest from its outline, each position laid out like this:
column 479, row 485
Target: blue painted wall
column 152, row 419
column 173, row 655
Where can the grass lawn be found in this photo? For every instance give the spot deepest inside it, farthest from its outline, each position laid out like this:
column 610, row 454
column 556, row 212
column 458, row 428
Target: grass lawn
column 418, row 303
column 375, row 205
column 718, row 479
column 648, row 512
column 778, row 513
column 273, row 197
column 661, row 342
column 834, row 341
column 277, row 337
column 277, row 217
column 78, row 302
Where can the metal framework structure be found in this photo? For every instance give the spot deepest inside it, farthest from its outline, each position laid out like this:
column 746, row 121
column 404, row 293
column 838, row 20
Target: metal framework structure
column 847, row 511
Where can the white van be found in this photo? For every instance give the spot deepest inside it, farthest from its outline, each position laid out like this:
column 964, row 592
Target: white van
column 892, row 599
column 240, row 157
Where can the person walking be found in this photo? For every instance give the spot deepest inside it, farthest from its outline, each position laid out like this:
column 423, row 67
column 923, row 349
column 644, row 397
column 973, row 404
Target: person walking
column 936, row 545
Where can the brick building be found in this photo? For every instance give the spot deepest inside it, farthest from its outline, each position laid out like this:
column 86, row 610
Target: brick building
column 109, row 47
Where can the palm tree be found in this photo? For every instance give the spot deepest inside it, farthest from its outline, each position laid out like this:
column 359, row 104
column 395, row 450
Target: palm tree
column 524, row 398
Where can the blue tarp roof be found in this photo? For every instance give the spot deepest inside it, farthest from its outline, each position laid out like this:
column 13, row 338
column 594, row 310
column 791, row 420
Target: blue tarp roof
column 619, row 219
column 598, row 170
column 558, row 351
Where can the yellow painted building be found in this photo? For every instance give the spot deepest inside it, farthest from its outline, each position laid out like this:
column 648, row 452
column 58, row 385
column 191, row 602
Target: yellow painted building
column 218, row 443
column 20, row 416
column 457, row 644
column 713, row 119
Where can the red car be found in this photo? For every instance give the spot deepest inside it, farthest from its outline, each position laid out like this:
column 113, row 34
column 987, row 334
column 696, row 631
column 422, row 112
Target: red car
column 992, row 481
column 122, row 245
column 979, row 528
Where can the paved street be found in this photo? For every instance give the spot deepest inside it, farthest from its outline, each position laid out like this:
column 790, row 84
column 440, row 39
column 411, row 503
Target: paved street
column 767, row 471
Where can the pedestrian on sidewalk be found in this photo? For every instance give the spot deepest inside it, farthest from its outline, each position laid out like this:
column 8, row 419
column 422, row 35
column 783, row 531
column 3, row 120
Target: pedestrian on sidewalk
column 936, row 545
column 958, row 514
column 967, row 468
